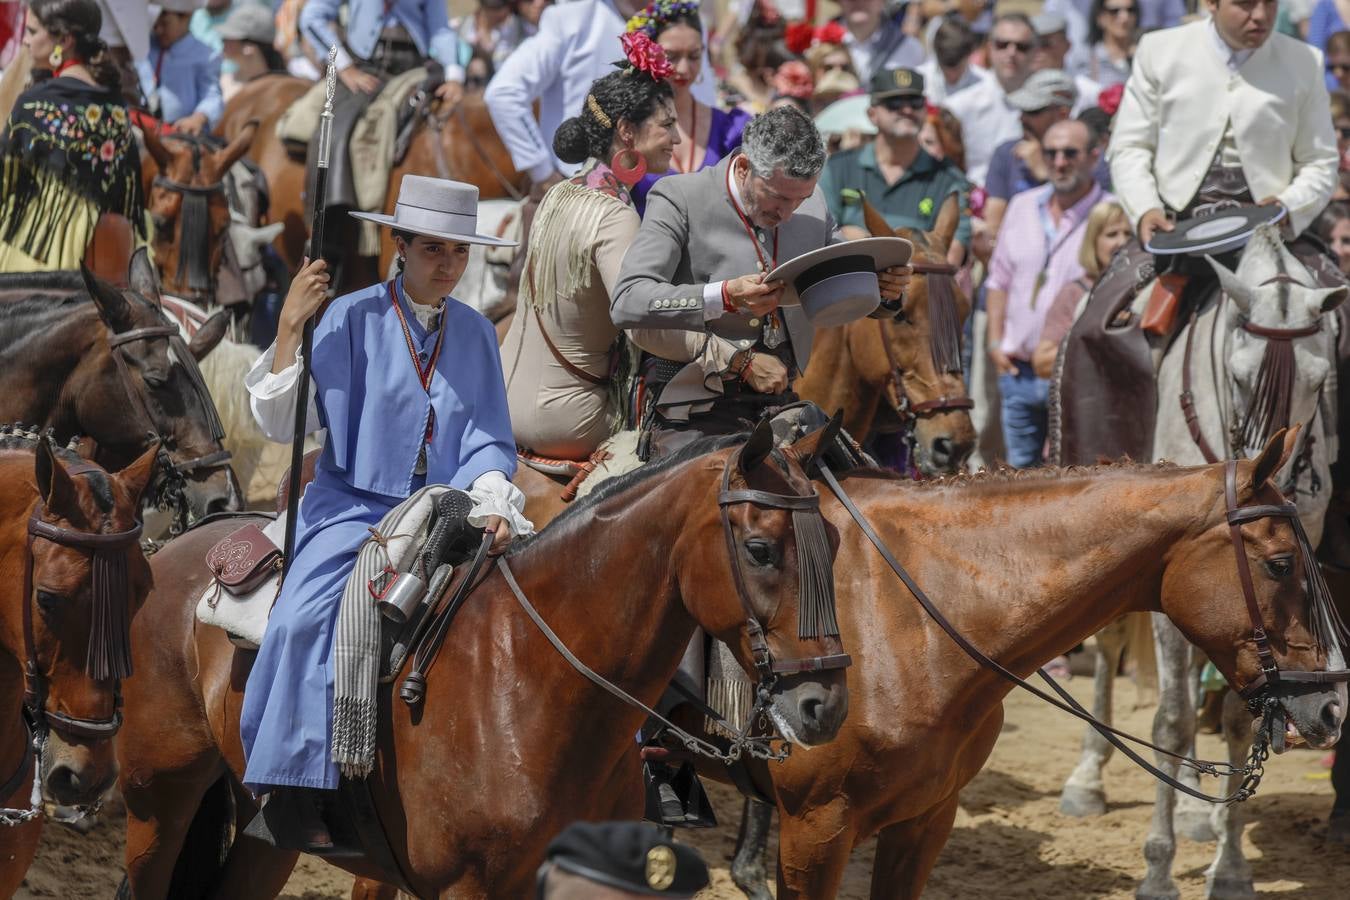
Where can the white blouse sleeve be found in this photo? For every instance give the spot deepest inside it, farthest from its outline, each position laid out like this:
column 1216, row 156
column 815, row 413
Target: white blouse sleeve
column 272, row 397
column 494, row 495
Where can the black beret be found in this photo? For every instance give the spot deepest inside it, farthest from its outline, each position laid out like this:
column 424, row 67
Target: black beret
column 630, row 856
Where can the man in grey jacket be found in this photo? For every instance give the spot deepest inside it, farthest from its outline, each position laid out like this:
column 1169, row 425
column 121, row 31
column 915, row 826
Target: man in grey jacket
column 698, row 264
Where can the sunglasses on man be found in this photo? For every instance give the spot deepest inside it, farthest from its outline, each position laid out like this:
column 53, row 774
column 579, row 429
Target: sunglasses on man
column 1069, row 153
column 1019, row 46
column 903, row 103
column 1336, row 68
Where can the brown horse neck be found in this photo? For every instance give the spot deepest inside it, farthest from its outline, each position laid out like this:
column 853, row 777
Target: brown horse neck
column 1030, row 565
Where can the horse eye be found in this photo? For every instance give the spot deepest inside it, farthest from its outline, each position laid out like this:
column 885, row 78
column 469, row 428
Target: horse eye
column 762, row 553
column 1280, row 566
column 49, row 603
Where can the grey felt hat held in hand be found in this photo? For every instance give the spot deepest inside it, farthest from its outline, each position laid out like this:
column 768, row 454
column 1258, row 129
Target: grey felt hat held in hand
column 838, row 283
column 438, row 208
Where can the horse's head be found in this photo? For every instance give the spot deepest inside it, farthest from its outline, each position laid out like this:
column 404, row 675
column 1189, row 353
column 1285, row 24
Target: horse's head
column 772, row 601
column 1246, row 584
column 87, row 578
column 156, row 391
column 189, row 207
column 918, row 356
column 1283, row 346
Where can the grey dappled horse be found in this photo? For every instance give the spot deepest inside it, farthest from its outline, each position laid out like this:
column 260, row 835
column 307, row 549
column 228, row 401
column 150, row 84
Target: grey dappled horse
column 1231, row 379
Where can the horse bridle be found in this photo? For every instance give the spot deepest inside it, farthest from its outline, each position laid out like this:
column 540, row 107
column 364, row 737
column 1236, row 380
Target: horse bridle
column 1262, row 695
column 172, row 474
column 108, row 657
column 819, row 623
column 194, row 212
column 908, row 411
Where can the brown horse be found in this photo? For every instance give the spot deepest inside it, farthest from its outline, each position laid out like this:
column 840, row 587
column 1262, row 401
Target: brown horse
column 903, row 375
column 1058, row 554
column 184, row 179
column 61, row 334
column 52, row 629
column 456, row 142
column 510, row 743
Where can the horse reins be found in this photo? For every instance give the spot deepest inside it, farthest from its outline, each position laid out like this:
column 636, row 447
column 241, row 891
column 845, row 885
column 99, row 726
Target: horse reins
column 816, row 620
column 907, row 410
column 172, row 478
column 108, row 657
column 1261, row 695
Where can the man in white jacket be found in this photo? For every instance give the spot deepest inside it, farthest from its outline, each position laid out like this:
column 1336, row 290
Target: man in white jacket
column 1223, row 109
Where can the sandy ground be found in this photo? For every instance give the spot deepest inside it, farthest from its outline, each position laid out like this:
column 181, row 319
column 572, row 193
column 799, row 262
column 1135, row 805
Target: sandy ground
column 1010, row 840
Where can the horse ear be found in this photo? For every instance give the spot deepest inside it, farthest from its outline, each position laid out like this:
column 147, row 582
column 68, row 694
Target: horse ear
column 1233, row 286
column 1327, row 299
column 875, row 221
column 209, row 335
column 155, row 147
column 948, row 218
column 809, row 448
column 137, row 476
column 54, row 484
column 113, row 308
column 758, row 448
column 236, row 148
column 1276, row 453
column 142, row 277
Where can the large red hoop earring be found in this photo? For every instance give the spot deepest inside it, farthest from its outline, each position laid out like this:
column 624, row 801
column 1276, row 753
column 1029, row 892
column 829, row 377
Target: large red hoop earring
column 628, row 174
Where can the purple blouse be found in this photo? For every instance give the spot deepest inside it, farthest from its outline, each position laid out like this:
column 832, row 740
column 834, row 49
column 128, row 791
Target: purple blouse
column 724, row 136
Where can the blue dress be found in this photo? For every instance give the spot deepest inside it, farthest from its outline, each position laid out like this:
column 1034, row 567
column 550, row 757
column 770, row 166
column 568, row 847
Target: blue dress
column 371, row 400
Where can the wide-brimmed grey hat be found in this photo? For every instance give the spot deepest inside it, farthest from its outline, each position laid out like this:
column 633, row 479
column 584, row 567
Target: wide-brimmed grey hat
column 249, row 23
column 838, row 283
column 439, row 208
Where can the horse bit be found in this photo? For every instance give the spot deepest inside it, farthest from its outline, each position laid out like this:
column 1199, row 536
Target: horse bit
column 172, row 478
column 816, row 620
column 108, row 657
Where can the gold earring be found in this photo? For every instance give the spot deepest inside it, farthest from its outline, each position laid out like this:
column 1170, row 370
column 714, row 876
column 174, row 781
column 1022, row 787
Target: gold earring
column 56, row 57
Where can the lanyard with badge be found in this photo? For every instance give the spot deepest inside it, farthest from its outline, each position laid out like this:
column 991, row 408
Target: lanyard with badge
column 1053, row 246
column 774, row 333
column 423, row 373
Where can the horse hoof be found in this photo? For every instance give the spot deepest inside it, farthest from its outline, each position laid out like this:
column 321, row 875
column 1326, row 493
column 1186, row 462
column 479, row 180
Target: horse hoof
column 1159, row 894
column 1082, row 802
column 754, row 889
column 1229, row 889
column 1195, row 825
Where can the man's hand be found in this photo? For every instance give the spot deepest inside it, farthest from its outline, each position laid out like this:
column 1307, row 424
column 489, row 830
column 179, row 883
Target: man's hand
column 1029, row 152
column 894, row 282
column 501, row 534
column 359, row 82
column 750, row 293
column 193, row 124
column 766, row 374
column 450, row 93
column 1003, row 364
column 1286, row 228
column 1150, row 223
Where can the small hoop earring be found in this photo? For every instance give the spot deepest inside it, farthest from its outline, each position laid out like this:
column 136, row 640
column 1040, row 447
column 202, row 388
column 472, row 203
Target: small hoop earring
column 56, row 57
column 628, row 173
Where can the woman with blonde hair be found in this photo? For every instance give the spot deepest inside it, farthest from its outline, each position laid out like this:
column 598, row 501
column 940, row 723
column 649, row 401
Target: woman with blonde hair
column 1107, row 231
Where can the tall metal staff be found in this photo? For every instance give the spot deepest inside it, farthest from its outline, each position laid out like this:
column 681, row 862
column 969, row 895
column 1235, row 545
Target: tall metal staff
column 307, row 341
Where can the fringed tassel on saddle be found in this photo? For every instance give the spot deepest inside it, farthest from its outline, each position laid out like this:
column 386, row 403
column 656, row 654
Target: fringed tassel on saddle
column 110, row 631
column 944, row 340
column 1268, row 411
column 815, row 569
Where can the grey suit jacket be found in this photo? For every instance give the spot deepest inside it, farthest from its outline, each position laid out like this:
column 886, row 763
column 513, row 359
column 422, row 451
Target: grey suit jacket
column 691, row 236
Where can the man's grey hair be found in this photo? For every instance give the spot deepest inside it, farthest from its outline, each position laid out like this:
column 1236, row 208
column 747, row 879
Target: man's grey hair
column 783, row 140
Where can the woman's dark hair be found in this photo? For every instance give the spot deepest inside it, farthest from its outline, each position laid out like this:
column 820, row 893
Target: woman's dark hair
column 689, row 18
column 1325, row 223
column 1095, row 30
column 81, row 20
column 627, row 95
column 271, row 58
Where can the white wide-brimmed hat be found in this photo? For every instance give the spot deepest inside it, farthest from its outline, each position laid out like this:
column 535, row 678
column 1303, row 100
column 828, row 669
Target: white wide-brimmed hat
column 439, row 208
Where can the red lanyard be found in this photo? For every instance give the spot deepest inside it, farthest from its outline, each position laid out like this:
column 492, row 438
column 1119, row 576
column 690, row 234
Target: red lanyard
column 764, row 265
column 423, row 373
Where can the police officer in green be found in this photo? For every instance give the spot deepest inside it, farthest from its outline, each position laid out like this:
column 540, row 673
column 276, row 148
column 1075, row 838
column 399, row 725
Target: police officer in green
column 896, row 175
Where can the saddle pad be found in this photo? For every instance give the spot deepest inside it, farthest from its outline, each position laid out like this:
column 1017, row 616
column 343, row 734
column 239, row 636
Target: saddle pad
column 243, row 616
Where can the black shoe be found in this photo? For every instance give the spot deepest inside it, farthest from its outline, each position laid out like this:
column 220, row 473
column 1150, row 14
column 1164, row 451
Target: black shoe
column 675, row 797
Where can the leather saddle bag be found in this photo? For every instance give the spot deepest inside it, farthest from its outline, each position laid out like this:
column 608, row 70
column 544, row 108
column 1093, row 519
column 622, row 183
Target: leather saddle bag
column 243, row 560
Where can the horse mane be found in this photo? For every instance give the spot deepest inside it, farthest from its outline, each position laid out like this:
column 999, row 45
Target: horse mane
column 621, row 483
column 1003, row 475
column 24, row 439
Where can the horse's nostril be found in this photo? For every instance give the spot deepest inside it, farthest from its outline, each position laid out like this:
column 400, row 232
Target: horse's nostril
column 219, row 505
column 1332, row 715
column 942, row 449
column 64, row 781
column 810, row 710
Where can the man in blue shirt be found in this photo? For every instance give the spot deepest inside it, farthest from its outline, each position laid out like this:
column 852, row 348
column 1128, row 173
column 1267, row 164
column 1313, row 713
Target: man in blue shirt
column 181, row 76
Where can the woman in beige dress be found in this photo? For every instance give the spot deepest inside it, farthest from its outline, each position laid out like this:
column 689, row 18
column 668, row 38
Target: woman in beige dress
column 562, row 350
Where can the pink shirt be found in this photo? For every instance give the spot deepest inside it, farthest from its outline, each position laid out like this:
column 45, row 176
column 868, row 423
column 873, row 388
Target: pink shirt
column 1034, row 259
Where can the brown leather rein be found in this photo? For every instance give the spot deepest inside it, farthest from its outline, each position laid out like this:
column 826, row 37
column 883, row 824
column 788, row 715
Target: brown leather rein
column 1262, row 695
column 816, row 619
column 108, row 657
column 907, row 410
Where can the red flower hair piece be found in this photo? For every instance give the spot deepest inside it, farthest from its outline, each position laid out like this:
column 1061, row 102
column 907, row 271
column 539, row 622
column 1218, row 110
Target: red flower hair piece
column 1109, row 99
column 798, row 36
column 645, row 55
column 830, row 33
